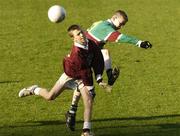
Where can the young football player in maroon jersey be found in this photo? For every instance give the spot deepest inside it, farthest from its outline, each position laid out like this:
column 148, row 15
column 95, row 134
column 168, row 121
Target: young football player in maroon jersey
column 77, row 74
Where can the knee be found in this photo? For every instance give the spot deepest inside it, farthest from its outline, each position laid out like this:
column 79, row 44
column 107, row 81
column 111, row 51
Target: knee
column 50, row 98
column 89, row 102
column 92, row 94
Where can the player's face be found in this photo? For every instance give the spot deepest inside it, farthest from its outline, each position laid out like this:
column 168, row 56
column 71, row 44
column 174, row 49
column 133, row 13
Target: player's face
column 119, row 21
column 79, row 37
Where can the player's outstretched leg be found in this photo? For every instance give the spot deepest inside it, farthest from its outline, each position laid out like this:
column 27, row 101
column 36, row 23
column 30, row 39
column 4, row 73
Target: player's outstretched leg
column 113, row 74
column 27, row 91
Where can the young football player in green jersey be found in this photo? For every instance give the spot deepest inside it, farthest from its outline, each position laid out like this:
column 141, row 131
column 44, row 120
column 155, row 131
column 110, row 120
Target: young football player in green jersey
column 102, row 32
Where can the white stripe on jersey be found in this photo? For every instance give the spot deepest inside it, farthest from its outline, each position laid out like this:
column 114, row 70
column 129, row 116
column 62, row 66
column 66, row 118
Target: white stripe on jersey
column 94, row 37
column 81, row 46
column 119, row 37
column 105, row 39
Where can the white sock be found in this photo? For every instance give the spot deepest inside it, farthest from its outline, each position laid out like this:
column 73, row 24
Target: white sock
column 87, row 125
column 76, row 97
column 37, row 90
column 107, row 64
column 107, row 59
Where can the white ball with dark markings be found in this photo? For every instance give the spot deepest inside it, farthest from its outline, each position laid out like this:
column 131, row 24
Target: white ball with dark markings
column 56, row 13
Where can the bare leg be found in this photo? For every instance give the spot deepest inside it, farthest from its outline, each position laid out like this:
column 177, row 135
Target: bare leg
column 88, row 103
column 53, row 93
column 57, row 89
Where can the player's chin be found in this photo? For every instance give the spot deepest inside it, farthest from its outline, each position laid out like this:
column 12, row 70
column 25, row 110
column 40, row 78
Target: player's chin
column 119, row 27
column 83, row 41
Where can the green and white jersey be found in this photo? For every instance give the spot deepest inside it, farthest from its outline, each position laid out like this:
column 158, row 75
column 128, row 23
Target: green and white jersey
column 104, row 31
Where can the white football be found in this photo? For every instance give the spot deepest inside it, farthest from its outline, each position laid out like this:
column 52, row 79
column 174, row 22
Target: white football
column 56, row 13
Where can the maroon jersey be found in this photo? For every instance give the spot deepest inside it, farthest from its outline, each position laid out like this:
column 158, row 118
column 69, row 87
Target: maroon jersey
column 97, row 59
column 99, row 43
column 82, row 58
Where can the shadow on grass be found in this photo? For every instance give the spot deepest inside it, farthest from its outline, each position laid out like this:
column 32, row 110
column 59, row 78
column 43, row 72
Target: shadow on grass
column 9, row 82
column 139, row 118
column 131, row 126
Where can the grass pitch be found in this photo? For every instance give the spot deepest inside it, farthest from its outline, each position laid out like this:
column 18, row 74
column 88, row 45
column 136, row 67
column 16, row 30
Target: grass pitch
column 146, row 98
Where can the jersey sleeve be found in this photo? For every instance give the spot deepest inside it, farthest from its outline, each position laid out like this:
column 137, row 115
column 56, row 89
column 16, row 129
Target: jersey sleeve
column 122, row 38
column 113, row 36
column 127, row 39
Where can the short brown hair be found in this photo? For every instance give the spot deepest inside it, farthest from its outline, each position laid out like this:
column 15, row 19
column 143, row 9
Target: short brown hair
column 122, row 13
column 72, row 28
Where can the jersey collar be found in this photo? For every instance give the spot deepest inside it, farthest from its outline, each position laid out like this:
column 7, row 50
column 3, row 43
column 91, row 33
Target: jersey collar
column 109, row 20
column 81, row 46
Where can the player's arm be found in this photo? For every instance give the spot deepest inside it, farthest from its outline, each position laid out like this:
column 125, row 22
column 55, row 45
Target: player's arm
column 84, row 71
column 122, row 38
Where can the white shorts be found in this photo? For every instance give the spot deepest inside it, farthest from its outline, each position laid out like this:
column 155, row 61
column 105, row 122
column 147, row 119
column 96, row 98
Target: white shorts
column 70, row 83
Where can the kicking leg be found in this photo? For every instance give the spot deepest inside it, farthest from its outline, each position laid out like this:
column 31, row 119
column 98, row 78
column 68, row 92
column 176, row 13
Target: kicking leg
column 48, row 95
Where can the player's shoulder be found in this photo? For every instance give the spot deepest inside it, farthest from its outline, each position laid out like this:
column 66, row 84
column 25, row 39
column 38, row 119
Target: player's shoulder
column 107, row 25
column 91, row 42
column 75, row 49
column 92, row 45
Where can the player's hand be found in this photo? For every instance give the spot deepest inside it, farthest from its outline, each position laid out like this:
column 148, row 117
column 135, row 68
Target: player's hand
column 146, row 44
